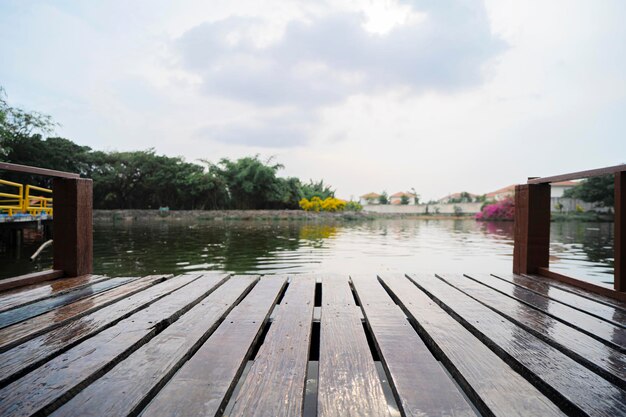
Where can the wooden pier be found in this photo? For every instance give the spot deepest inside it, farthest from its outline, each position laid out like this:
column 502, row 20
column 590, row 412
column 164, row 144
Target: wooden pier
column 209, row 344
column 527, row 343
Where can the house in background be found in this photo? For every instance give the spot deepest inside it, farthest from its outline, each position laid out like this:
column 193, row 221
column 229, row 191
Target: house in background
column 458, row 198
column 501, row 194
column 558, row 188
column 369, row 199
column 556, row 191
column 397, row 198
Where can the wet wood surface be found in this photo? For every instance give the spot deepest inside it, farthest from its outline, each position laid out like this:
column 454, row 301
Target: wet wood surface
column 571, row 296
column 132, row 381
column 349, row 384
column 488, row 380
column 211, row 344
column 419, row 380
column 25, row 330
column 608, row 362
column 50, row 385
column 275, row 384
column 30, row 354
column 35, row 292
column 608, row 333
column 36, row 308
column 209, row 376
column 564, row 380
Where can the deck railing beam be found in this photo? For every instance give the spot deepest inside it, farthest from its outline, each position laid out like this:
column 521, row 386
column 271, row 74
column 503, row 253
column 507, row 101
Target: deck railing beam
column 619, row 241
column 72, row 223
column 532, row 228
column 73, row 219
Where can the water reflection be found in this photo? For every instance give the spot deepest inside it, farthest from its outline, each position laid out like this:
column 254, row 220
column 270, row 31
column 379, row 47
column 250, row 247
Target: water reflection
column 142, row 248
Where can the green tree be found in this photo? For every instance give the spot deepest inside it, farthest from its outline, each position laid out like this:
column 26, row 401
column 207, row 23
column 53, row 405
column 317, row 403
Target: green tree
column 251, row 183
column 598, row 190
column 404, row 200
column 384, row 198
column 317, row 189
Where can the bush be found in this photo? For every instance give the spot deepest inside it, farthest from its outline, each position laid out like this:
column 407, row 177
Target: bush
column 353, row 206
column 501, row 210
column 331, row 204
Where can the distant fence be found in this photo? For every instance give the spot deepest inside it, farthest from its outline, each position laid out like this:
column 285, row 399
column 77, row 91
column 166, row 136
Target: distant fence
column 459, row 208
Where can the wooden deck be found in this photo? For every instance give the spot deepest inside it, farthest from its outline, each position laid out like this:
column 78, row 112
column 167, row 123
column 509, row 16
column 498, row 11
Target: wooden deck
column 208, row 344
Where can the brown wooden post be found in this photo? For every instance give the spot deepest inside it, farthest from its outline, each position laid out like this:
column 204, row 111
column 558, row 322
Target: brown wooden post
column 619, row 242
column 72, row 222
column 532, row 228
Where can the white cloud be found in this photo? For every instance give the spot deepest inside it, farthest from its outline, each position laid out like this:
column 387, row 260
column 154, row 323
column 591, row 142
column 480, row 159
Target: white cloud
column 369, row 95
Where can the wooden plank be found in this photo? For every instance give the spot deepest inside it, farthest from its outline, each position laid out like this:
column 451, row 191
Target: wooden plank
column 36, row 292
column 619, row 243
column 574, row 387
column 134, row 381
column 275, row 384
column 602, row 359
column 600, row 289
column 421, row 386
column 36, row 171
column 610, row 301
column 25, row 330
column 28, row 311
column 494, row 387
column 29, row 279
column 579, row 175
column 52, row 384
column 208, row 378
column 349, row 384
column 23, row 358
column 73, row 223
column 578, row 300
column 608, row 333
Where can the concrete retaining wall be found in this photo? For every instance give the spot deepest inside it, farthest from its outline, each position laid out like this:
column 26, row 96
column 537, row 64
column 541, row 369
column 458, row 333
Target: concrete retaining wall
column 465, row 208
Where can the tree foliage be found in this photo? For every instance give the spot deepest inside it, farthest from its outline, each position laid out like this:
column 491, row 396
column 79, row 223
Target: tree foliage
column 598, row 190
column 143, row 179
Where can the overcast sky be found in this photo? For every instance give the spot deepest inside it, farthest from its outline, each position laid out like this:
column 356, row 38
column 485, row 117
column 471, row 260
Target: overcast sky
column 440, row 95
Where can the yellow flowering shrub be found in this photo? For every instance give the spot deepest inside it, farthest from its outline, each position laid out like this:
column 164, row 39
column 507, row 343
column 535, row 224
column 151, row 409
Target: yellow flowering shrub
column 317, row 204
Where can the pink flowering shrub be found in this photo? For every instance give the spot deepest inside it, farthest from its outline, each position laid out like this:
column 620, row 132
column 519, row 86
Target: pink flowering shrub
column 502, row 210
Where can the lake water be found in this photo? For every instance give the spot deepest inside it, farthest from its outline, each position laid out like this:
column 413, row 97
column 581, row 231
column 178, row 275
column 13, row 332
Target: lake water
column 582, row 250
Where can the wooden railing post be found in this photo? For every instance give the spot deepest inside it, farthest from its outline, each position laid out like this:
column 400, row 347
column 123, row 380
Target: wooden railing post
column 619, row 242
column 532, row 228
column 73, row 217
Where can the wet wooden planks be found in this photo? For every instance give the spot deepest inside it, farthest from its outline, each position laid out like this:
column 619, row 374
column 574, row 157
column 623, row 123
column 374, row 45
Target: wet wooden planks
column 348, row 380
column 275, row 383
column 204, row 344
column 48, row 386
column 32, row 353
column 592, row 304
column 419, row 380
column 488, row 380
column 607, row 332
column 209, row 376
column 35, row 292
column 27, row 329
column 145, row 371
column 603, row 359
column 561, row 378
column 36, row 308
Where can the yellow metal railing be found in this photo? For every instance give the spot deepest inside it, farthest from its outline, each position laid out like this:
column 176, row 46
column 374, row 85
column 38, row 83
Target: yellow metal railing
column 36, row 204
column 22, row 200
column 12, row 203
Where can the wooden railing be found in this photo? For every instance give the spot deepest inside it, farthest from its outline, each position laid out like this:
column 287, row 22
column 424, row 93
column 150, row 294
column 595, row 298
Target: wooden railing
column 532, row 229
column 72, row 223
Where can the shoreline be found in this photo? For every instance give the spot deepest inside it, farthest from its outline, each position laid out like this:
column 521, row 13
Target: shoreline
column 130, row 215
